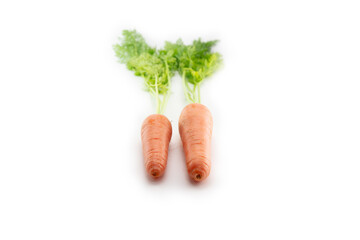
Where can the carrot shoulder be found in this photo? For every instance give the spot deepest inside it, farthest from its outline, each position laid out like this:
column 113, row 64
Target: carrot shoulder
column 156, row 133
column 195, row 127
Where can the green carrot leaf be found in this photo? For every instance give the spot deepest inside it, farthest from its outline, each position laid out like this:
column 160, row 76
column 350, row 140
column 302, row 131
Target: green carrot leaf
column 195, row 63
column 154, row 66
column 132, row 44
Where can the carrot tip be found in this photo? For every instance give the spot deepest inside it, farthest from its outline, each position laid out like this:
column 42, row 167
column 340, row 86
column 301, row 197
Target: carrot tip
column 155, row 172
column 198, row 175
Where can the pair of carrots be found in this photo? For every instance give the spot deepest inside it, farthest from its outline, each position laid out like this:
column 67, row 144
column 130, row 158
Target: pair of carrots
column 195, row 127
column 194, row 63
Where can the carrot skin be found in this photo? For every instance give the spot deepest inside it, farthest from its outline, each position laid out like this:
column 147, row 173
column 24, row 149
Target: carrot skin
column 156, row 133
column 195, row 127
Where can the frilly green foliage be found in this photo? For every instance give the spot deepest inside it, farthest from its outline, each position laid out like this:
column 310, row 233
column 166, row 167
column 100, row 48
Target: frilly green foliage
column 132, row 44
column 156, row 67
column 195, row 62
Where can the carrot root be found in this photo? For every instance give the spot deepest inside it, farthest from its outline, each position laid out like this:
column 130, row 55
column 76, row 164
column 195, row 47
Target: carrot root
column 195, row 127
column 156, row 133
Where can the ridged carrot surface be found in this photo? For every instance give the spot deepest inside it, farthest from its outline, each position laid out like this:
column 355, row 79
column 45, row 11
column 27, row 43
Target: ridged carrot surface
column 156, row 133
column 195, row 127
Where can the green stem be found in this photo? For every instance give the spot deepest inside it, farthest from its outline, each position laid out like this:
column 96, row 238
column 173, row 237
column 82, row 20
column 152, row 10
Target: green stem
column 198, row 93
column 157, row 96
column 164, row 102
column 186, row 88
column 150, row 89
column 167, row 73
column 167, row 95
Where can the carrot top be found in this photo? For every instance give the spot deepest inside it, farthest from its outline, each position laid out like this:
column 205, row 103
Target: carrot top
column 195, row 62
column 156, row 67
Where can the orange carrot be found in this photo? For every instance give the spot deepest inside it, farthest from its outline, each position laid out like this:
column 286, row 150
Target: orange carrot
column 156, row 67
column 156, row 133
column 196, row 62
column 195, row 127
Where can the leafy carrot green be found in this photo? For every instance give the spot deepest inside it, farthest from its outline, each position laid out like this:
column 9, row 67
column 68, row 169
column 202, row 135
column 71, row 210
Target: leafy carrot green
column 156, row 67
column 195, row 62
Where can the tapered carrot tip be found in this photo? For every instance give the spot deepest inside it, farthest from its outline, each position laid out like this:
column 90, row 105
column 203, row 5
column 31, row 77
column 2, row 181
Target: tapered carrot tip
column 154, row 169
column 156, row 133
column 195, row 127
column 198, row 175
column 155, row 172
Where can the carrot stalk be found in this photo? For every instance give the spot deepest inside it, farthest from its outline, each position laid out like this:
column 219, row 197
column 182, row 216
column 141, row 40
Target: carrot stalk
column 195, row 63
column 156, row 67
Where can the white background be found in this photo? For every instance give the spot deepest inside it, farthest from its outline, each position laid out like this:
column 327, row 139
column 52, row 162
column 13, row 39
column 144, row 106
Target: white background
column 286, row 108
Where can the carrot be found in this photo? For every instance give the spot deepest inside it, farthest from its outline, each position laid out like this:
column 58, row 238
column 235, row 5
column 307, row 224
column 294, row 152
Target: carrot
column 156, row 67
column 195, row 63
column 155, row 136
column 195, row 127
